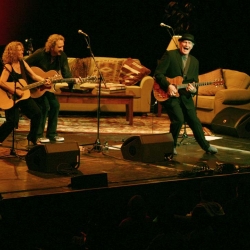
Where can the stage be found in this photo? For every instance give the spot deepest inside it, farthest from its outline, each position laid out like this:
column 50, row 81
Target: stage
column 17, row 180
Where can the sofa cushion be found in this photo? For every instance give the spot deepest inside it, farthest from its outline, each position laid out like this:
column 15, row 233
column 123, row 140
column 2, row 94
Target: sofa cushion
column 236, row 79
column 132, row 72
column 79, row 66
column 217, row 82
column 204, row 102
column 109, row 67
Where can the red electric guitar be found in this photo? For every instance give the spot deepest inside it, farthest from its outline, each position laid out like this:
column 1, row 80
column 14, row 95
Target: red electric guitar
column 161, row 96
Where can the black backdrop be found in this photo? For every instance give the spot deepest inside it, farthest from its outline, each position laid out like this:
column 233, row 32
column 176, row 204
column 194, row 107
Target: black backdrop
column 130, row 28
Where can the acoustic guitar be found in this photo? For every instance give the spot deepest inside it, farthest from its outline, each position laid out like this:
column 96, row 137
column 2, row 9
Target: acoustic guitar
column 37, row 92
column 161, row 95
column 7, row 99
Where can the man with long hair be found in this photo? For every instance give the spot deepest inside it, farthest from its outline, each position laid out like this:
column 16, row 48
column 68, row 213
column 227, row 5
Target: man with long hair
column 51, row 57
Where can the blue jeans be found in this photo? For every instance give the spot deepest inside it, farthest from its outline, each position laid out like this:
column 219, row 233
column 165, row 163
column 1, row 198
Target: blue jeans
column 49, row 106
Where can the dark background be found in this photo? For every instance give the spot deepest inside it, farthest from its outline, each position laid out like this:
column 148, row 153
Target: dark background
column 131, row 28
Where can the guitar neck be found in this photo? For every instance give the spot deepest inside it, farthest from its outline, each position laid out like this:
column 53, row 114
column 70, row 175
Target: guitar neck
column 197, row 84
column 32, row 85
column 37, row 84
column 64, row 80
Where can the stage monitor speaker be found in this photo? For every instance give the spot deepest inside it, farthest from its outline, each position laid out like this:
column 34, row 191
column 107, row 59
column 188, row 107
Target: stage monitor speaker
column 54, row 157
column 232, row 121
column 148, row 148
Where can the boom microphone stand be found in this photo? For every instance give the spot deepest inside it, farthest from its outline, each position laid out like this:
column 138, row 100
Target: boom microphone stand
column 185, row 135
column 97, row 145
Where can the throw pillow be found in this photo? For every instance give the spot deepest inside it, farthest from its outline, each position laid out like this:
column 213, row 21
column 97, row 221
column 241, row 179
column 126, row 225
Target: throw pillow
column 80, row 67
column 109, row 67
column 236, row 79
column 132, row 72
column 217, row 82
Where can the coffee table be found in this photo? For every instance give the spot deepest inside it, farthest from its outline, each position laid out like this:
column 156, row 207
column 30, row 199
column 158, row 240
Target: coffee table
column 117, row 98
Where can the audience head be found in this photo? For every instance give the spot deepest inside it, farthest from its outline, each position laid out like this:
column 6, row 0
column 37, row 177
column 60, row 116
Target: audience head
column 136, row 207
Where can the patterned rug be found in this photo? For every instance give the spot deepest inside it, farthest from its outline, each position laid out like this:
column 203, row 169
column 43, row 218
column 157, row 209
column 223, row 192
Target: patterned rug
column 110, row 124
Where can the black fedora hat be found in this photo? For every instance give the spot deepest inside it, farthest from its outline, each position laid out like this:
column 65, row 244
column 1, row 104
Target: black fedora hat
column 188, row 37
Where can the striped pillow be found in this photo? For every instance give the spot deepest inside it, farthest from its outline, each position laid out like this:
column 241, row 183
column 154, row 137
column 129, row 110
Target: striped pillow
column 132, row 72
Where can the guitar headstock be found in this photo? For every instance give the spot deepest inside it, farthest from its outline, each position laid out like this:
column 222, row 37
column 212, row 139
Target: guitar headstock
column 219, row 82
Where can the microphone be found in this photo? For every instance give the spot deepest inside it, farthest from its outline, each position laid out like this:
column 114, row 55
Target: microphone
column 165, row 25
column 82, row 33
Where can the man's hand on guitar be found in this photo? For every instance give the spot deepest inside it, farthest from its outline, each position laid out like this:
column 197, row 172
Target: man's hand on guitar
column 47, row 81
column 78, row 80
column 190, row 88
column 172, row 91
column 19, row 92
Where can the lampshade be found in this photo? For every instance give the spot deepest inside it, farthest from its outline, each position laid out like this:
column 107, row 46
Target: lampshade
column 174, row 43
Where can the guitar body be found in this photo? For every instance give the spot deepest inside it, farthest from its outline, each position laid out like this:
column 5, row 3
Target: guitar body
column 161, row 95
column 39, row 91
column 7, row 99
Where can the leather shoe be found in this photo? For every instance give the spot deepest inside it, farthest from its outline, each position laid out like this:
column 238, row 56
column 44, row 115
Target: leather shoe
column 212, row 150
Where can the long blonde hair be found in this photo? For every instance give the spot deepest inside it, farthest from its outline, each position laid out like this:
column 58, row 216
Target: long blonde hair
column 10, row 53
column 51, row 42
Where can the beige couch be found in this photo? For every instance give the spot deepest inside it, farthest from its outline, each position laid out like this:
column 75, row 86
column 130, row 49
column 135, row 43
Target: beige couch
column 113, row 70
column 214, row 97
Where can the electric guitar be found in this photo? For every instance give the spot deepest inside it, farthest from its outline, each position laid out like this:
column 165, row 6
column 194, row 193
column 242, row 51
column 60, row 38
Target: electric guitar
column 161, row 95
column 7, row 99
column 37, row 92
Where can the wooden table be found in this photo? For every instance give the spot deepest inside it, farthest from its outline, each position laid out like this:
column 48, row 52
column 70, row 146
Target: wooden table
column 117, row 98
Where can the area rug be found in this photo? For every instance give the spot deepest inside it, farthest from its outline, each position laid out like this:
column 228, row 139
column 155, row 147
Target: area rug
column 110, row 124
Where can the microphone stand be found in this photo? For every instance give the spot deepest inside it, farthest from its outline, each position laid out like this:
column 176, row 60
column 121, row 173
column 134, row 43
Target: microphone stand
column 172, row 37
column 97, row 145
column 185, row 135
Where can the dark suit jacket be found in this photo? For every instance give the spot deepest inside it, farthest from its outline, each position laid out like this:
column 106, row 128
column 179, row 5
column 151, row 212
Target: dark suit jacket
column 170, row 66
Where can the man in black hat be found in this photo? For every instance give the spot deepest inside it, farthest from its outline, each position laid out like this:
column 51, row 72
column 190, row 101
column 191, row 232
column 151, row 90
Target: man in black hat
column 179, row 103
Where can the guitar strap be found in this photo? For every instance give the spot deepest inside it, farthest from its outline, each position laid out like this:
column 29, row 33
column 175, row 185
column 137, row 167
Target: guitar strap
column 23, row 71
column 186, row 68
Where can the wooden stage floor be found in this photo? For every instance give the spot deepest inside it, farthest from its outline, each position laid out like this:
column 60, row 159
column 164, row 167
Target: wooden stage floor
column 17, row 180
